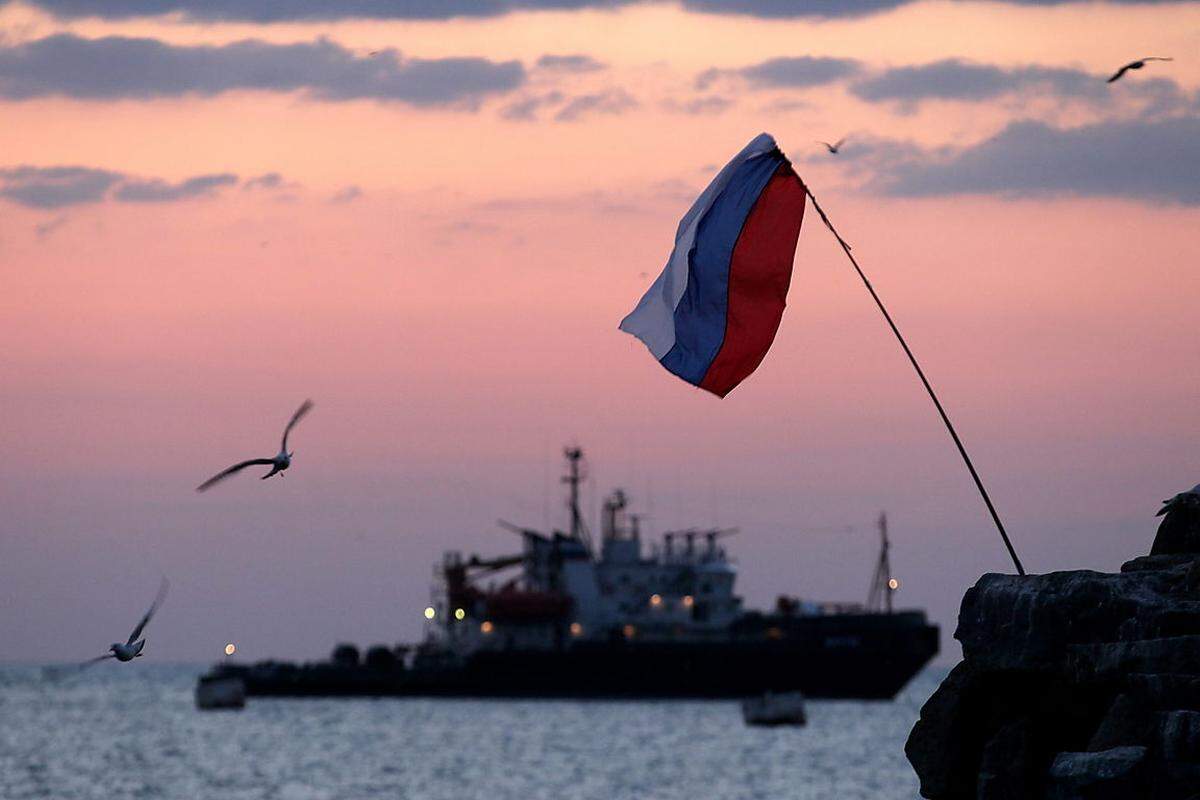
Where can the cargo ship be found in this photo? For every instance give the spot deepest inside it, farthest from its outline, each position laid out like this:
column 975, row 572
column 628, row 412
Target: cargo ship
column 570, row 617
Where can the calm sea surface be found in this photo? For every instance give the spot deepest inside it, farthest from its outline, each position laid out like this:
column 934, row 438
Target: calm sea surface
column 122, row 730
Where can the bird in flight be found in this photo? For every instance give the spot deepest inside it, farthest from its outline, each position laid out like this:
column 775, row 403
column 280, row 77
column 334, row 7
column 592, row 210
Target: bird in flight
column 1141, row 62
column 835, row 147
column 277, row 464
column 133, row 646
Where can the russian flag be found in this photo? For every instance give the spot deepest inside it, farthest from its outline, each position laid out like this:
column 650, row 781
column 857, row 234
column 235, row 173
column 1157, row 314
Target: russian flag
column 712, row 314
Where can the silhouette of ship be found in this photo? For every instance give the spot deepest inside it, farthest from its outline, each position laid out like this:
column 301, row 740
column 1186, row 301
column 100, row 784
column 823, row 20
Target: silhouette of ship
column 578, row 620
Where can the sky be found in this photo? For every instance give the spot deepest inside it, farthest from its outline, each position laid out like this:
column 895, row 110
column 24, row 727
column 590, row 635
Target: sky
column 430, row 215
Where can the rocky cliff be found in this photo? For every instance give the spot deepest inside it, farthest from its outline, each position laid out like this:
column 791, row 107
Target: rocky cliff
column 1074, row 684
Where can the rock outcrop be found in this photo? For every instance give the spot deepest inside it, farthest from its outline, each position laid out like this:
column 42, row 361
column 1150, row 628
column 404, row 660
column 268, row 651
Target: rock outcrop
column 1074, row 685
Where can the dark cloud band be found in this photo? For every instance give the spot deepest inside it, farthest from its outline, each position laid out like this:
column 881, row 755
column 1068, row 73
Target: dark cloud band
column 59, row 187
column 266, row 11
column 796, row 72
column 959, row 80
column 1142, row 160
column 121, row 67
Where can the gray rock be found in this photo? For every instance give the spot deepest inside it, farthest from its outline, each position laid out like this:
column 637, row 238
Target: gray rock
column 1179, row 531
column 1179, row 736
column 1160, row 562
column 942, row 746
column 1113, row 661
column 1165, row 692
column 1008, row 768
column 1025, row 623
column 1128, row 721
column 1073, row 685
column 1118, row 774
column 1028, row 623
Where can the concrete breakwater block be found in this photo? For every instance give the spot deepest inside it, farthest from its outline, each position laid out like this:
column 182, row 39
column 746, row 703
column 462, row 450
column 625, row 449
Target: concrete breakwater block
column 1076, row 684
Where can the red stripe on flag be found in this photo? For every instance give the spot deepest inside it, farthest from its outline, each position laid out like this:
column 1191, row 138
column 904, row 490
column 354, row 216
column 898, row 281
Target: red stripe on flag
column 759, row 273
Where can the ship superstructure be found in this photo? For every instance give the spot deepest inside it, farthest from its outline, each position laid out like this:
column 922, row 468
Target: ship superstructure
column 566, row 591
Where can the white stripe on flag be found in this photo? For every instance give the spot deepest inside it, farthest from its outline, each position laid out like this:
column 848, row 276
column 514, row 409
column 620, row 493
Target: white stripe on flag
column 653, row 321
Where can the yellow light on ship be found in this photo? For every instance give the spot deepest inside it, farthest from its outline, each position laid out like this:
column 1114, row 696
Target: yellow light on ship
column 230, row 649
column 459, row 613
column 429, row 612
column 893, row 584
column 576, row 629
column 486, row 627
column 629, row 631
column 656, row 600
column 688, row 600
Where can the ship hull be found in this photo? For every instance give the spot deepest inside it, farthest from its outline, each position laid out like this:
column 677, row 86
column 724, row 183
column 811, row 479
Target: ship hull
column 864, row 657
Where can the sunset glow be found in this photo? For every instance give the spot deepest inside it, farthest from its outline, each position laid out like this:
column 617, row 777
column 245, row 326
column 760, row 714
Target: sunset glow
column 436, row 244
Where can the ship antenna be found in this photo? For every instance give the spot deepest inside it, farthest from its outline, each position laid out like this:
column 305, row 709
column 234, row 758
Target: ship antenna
column 578, row 532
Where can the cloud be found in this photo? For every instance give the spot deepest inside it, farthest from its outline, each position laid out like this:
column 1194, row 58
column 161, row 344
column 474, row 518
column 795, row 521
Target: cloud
column 120, row 67
column 55, row 187
column 268, row 180
column 712, row 104
column 785, row 73
column 783, row 9
column 264, row 11
column 1152, row 161
column 958, row 80
column 160, row 191
column 60, row 187
column 611, row 101
column 311, row 10
column 347, row 195
column 570, row 63
column 837, row 9
column 525, row 109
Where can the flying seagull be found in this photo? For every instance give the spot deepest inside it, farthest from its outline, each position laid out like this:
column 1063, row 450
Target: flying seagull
column 277, row 464
column 1190, row 498
column 133, row 646
column 835, row 147
column 1141, row 62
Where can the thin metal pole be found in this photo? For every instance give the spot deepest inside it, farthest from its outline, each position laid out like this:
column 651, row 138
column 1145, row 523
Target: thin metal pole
column 921, row 374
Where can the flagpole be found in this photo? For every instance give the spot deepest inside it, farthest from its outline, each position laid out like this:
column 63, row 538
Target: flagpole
column 921, row 374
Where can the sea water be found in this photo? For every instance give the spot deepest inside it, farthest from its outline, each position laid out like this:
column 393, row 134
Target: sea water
column 132, row 730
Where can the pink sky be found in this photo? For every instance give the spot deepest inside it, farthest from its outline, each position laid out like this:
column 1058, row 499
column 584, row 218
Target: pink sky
column 455, row 320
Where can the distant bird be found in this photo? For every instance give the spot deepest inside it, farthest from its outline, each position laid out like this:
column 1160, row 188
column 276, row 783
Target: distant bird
column 1190, row 498
column 277, row 464
column 133, row 646
column 835, row 147
column 1141, row 62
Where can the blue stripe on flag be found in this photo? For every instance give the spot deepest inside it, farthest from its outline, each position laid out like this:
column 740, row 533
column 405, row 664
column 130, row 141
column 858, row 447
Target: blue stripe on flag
column 701, row 313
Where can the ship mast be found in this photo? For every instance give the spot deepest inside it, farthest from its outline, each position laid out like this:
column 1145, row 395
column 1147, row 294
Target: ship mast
column 879, row 598
column 573, row 478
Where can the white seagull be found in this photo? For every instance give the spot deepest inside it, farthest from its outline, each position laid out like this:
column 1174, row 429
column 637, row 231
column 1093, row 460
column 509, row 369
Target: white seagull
column 836, row 146
column 1190, row 497
column 133, row 646
column 277, row 464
